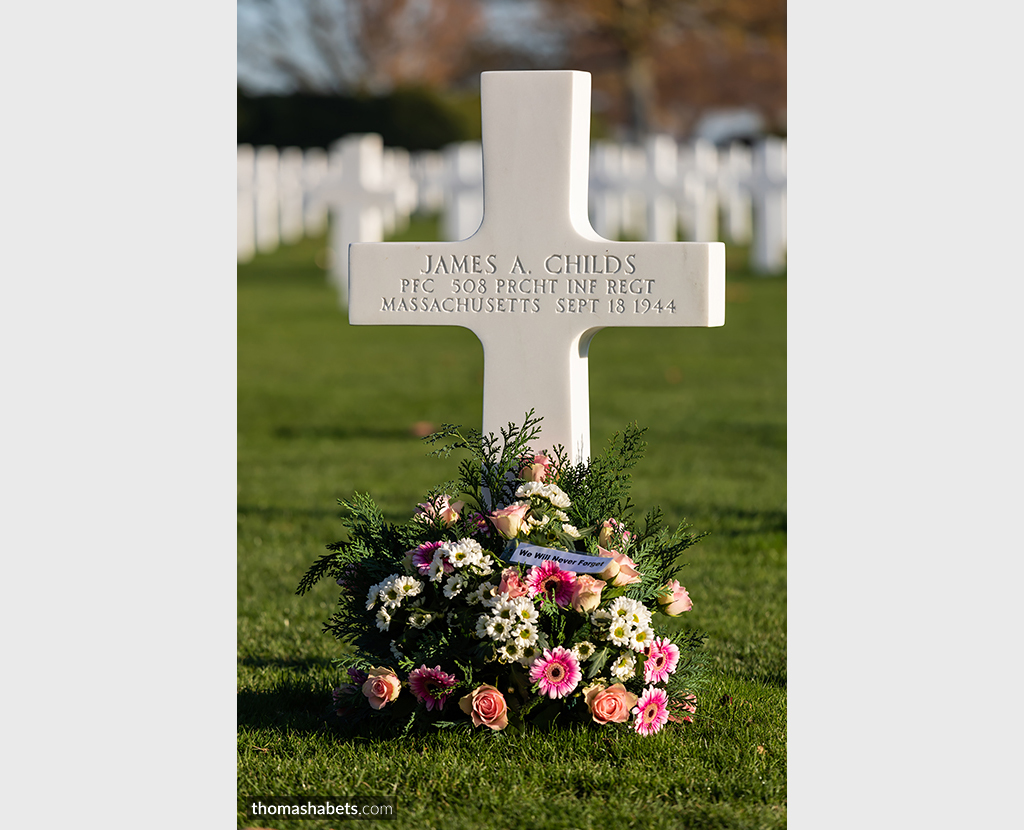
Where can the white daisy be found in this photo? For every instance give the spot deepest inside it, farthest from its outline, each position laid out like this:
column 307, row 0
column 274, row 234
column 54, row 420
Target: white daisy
column 525, row 636
column 524, row 611
column 408, row 586
column 371, row 596
column 466, row 552
column 482, row 568
column 529, row 654
column 504, row 609
column 493, row 598
column 620, row 633
column 623, row 668
column 508, row 652
column 481, row 626
column 436, row 569
column 583, row 650
column 529, row 488
column 421, row 619
column 641, row 638
column 498, row 629
column 390, row 594
column 554, row 494
column 477, row 595
column 454, row 585
column 383, row 619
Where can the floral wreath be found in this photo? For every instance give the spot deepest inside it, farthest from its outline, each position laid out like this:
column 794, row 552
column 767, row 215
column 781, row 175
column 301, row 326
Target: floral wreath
column 531, row 598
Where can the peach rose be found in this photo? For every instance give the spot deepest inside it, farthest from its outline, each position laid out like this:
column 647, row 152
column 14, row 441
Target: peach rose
column 441, row 508
column 586, row 594
column 611, row 532
column 673, row 599
column 511, row 584
column 611, row 704
column 537, row 468
column 620, row 571
column 486, row 706
column 381, row 687
column 509, row 520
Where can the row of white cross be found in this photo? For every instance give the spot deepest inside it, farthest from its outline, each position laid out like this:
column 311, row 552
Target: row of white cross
column 660, row 192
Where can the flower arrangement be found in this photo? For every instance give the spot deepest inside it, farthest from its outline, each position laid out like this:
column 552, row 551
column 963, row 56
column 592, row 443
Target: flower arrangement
column 531, row 598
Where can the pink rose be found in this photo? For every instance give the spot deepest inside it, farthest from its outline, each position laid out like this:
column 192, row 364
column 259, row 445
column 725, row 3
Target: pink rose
column 611, row 704
column 381, row 687
column 441, row 509
column 509, row 520
column 536, row 468
column 673, row 599
column 612, row 532
column 511, row 584
column 586, row 594
column 620, row 571
column 486, row 706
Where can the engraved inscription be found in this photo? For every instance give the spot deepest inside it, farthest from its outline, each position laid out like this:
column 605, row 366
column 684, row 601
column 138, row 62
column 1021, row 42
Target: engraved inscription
column 602, row 284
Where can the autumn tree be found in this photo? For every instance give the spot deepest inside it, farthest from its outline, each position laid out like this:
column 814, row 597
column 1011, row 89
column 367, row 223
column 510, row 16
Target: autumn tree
column 354, row 46
column 659, row 63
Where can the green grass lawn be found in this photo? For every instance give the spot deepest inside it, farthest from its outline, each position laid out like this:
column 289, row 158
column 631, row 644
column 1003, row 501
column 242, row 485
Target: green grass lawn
column 325, row 409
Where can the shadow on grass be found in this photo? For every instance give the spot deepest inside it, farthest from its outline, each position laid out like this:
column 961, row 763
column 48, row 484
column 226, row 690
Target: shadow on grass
column 303, row 665
column 288, row 707
column 736, row 521
column 343, row 433
column 269, row 512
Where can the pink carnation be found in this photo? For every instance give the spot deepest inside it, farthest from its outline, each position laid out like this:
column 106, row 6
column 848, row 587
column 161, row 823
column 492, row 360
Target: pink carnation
column 549, row 578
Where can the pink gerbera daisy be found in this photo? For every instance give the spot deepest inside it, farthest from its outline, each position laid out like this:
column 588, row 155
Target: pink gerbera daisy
column 431, row 686
column 424, row 555
column 651, row 711
column 548, row 578
column 557, row 671
column 662, row 659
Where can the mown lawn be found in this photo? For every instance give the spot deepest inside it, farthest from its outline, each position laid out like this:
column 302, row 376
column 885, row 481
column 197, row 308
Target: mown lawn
column 325, row 409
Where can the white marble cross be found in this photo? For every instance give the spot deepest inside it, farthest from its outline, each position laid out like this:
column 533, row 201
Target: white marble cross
column 358, row 195
column 246, row 203
column 535, row 283
column 768, row 187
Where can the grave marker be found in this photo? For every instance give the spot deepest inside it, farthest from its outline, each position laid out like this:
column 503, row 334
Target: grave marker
column 768, row 191
column 463, row 190
column 535, row 283
column 246, row 216
column 314, row 171
column 290, row 193
column 267, row 201
column 358, row 196
column 733, row 172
